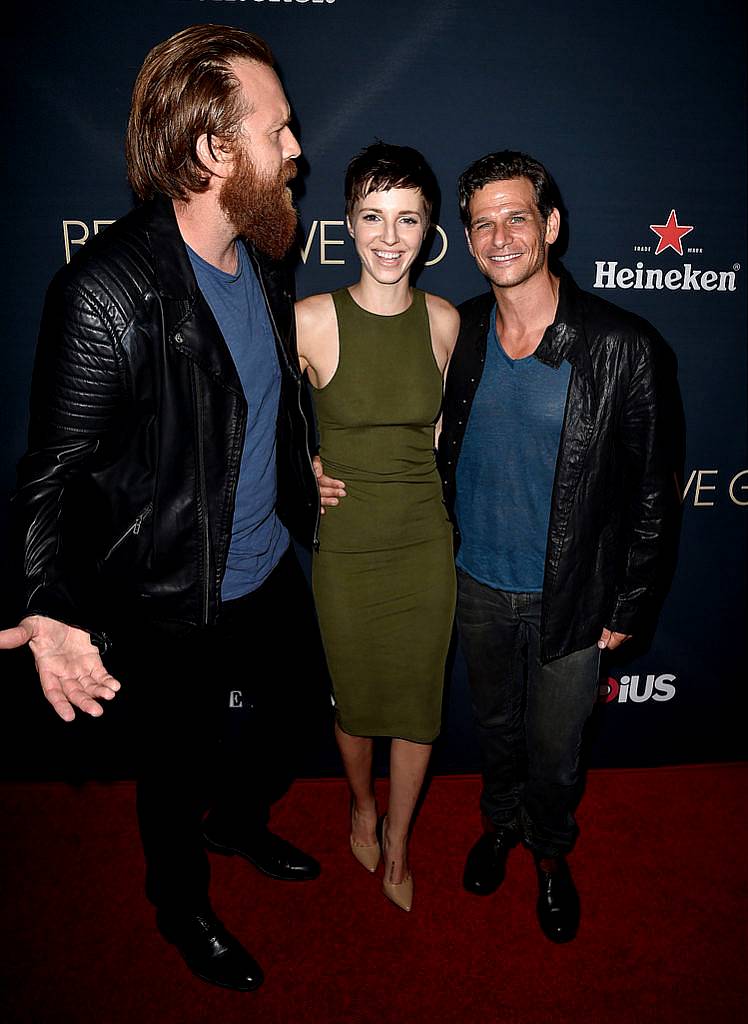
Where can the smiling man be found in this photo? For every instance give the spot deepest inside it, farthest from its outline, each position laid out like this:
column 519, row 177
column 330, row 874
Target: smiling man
column 554, row 476
column 167, row 463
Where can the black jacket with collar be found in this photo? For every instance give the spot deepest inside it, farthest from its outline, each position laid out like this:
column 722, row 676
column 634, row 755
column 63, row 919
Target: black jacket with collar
column 126, row 493
column 611, row 489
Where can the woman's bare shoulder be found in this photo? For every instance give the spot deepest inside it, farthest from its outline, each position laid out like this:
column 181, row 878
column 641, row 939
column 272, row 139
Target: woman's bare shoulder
column 314, row 306
column 442, row 312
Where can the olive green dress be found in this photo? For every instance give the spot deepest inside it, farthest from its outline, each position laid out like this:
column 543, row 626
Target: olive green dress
column 384, row 578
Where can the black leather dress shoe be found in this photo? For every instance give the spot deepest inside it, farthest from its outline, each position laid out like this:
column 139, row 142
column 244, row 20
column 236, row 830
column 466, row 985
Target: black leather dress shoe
column 209, row 950
column 269, row 853
column 486, row 863
column 558, row 900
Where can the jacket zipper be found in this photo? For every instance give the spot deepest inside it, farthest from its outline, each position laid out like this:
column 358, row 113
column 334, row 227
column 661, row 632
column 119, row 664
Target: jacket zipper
column 297, row 381
column 202, row 495
column 132, row 530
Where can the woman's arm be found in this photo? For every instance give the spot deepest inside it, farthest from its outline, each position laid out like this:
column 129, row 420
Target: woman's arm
column 444, row 321
column 317, row 341
column 317, row 338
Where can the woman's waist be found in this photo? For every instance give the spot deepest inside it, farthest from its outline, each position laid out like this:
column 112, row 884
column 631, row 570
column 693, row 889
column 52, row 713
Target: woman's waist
column 379, row 516
column 382, row 470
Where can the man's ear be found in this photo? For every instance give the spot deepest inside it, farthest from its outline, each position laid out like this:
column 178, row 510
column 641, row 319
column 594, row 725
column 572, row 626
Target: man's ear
column 552, row 226
column 214, row 154
column 469, row 244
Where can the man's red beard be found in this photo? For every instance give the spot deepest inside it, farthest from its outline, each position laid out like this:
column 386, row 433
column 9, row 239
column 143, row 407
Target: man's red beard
column 260, row 208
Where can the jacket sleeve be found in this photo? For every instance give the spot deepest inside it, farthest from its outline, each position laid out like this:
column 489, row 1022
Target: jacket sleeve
column 640, row 441
column 76, row 396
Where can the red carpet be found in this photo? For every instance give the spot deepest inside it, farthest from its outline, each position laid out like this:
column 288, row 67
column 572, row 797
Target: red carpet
column 660, row 867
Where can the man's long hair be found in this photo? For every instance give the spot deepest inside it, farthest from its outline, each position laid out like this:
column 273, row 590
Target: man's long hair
column 185, row 89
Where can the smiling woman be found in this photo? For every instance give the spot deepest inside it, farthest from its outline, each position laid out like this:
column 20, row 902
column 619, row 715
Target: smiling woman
column 384, row 583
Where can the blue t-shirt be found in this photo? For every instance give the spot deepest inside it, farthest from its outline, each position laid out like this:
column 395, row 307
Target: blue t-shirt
column 258, row 538
column 506, row 469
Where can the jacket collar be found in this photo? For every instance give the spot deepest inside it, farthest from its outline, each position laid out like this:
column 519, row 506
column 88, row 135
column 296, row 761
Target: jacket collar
column 188, row 320
column 565, row 338
column 184, row 305
column 174, row 274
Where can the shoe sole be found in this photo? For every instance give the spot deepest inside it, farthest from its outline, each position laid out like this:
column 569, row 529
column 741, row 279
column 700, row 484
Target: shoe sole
column 230, row 851
column 557, row 940
column 481, row 892
column 484, row 890
column 221, row 984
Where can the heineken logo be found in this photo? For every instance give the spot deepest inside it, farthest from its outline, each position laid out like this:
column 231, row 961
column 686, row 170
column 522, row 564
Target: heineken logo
column 611, row 274
column 670, row 234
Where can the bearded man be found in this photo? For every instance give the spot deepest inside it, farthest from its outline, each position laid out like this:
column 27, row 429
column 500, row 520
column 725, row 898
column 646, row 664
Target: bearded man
column 167, row 462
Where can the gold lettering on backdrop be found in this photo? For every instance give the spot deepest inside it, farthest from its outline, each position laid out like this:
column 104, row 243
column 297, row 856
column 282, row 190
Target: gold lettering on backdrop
column 697, row 503
column 66, row 225
column 743, row 487
column 309, row 239
column 737, row 489
column 77, row 233
column 697, row 475
column 445, row 245
column 80, row 239
column 688, row 486
column 324, row 241
column 319, row 230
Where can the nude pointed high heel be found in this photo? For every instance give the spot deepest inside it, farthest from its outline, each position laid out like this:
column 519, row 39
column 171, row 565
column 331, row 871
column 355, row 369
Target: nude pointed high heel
column 367, row 855
column 399, row 893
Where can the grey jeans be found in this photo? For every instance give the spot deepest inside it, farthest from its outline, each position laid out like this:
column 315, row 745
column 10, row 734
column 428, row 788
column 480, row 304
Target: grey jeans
column 530, row 717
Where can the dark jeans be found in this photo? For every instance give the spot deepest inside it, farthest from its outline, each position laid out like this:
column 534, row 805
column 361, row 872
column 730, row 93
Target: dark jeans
column 219, row 712
column 530, row 716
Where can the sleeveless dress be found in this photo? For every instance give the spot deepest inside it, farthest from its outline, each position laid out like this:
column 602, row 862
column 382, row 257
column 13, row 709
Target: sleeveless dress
column 384, row 577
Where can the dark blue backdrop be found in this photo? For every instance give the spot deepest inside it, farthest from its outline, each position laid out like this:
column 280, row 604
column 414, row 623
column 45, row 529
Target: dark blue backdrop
column 637, row 109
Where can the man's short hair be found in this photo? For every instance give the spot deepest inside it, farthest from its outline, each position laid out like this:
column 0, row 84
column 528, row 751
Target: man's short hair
column 503, row 166
column 382, row 166
column 185, row 89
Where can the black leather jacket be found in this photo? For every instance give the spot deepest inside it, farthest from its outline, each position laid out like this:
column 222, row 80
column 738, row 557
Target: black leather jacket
column 126, row 494
column 611, row 488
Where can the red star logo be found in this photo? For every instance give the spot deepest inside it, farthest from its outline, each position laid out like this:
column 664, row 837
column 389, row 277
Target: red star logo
column 670, row 234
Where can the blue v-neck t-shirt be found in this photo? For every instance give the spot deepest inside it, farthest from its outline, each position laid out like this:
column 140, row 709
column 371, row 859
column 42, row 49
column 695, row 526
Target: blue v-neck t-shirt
column 506, row 469
column 258, row 538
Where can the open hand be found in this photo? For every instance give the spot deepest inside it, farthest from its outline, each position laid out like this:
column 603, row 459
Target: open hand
column 70, row 668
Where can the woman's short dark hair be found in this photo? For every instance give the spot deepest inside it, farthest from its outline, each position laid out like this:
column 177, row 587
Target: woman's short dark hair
column 185, row 89
column 383, row 166
column 502, row 166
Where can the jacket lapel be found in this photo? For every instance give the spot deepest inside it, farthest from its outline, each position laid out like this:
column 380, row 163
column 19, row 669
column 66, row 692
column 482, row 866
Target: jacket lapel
column 566, row 339
column 189, row 324
column 279, row 302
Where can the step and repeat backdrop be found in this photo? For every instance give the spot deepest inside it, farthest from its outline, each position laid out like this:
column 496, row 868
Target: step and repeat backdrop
column 638, row 111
